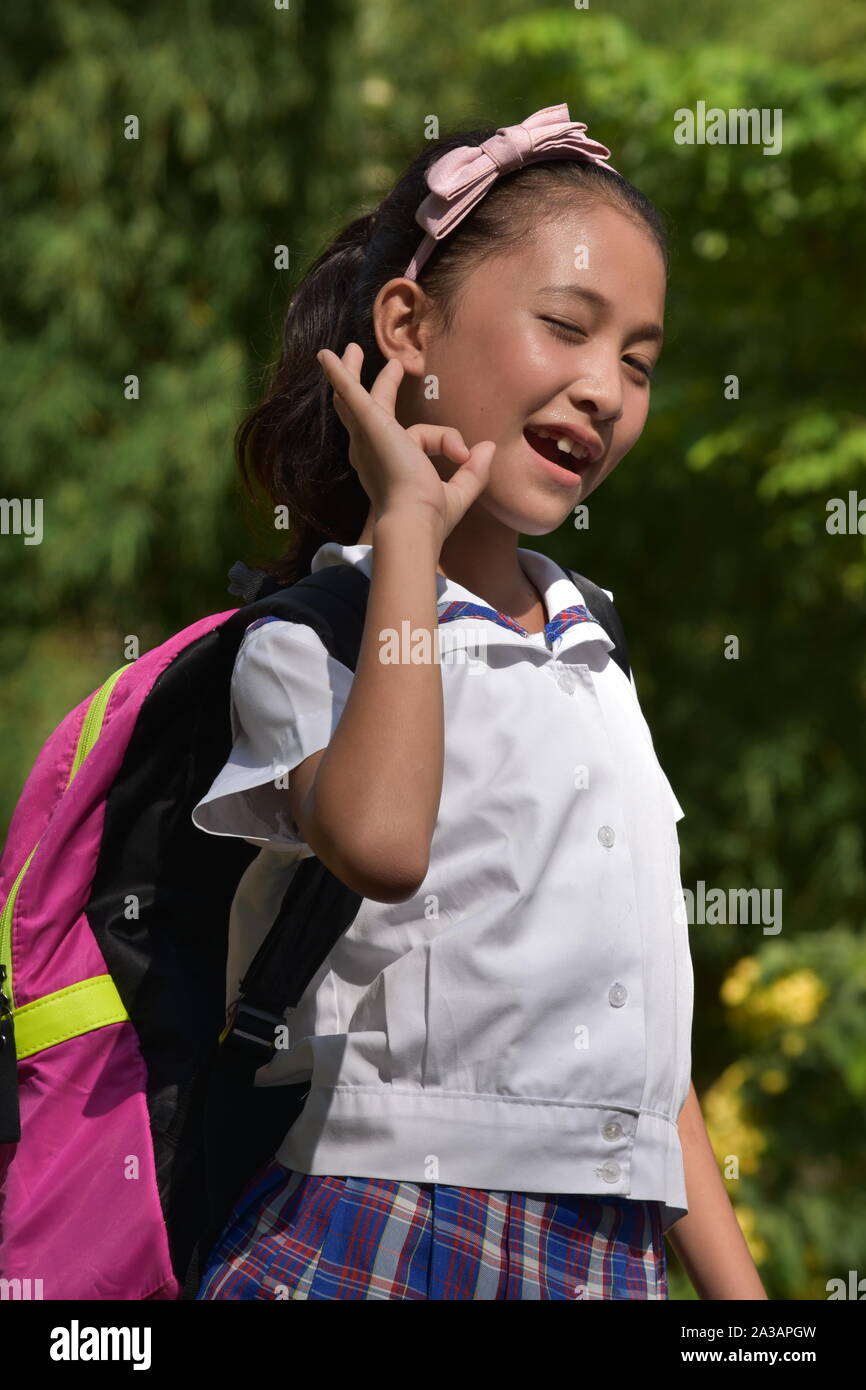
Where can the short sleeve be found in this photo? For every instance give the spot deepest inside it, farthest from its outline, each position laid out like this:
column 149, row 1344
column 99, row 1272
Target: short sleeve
column 675, row 805
column 287, row 695
column 669, row 795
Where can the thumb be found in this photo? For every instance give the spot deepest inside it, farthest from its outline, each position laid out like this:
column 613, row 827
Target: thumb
column 471, row 478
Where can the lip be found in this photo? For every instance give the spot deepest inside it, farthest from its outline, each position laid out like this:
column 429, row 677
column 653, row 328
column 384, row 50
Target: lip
column 578, row 435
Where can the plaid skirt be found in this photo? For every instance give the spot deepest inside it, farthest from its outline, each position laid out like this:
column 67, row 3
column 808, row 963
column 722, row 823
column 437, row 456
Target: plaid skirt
column 300, row 1235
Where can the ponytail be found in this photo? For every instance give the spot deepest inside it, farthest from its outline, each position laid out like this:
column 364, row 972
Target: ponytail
column 292, row 445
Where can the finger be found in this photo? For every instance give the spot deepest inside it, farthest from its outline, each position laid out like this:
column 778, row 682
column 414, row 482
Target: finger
column 340, row 405
column 340, row 370
column 343, row 413
column 348, row 422
column 341, row 378
column 454, row 446
column 387, row 384
column 377, row 422
column 328, row 361
column 353, row 359
column 440, row 439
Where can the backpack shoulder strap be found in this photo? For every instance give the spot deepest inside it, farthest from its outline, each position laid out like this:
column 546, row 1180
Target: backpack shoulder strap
column 317, row 907
column 604, row 611
column 333, row 602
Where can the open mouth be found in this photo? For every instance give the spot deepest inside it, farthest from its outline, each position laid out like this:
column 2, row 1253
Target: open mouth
column 550, row 450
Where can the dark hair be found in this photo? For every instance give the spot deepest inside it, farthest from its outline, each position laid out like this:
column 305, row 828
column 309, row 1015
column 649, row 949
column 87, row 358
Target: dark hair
column 292, row 445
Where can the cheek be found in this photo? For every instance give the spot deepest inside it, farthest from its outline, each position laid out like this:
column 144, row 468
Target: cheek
column 635, row 409
column 628, row 430
column 536, row 361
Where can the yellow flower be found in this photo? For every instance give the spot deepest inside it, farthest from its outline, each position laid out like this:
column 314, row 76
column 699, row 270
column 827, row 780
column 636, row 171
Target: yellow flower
column 793, row 1043
column 739, row 981
column 773, row 1080
column 377, row 91
column 794, row 998
column 757, row 1247
column 731, row 1134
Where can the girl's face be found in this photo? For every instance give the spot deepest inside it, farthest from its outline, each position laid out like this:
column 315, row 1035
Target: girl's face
column 561, row 332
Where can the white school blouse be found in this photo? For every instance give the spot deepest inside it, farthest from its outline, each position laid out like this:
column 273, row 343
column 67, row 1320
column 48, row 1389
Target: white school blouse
column 523, row 1021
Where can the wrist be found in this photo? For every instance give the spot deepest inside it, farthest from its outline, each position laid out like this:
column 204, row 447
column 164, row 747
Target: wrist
column 413, row 529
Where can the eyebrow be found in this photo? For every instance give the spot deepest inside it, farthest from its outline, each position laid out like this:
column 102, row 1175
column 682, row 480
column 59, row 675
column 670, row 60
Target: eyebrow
column 652, row 331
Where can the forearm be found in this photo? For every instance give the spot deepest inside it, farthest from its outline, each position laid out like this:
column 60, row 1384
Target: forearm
column 708, row 1241
column 379, row 783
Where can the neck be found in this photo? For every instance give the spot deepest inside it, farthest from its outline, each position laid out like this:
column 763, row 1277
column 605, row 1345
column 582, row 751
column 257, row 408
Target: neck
column 481, row 555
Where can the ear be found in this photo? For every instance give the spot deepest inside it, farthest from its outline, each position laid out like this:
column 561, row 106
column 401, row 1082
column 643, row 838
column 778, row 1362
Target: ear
column 402, row 322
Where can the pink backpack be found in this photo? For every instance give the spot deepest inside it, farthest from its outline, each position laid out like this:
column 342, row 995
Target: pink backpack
column 113, row 935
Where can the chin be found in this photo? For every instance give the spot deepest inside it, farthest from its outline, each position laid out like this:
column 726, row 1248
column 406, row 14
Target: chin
column 539, row 520
column 532, row 527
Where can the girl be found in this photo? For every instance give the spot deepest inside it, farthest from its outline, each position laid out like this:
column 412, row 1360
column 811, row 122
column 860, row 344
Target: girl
column 498, row 1047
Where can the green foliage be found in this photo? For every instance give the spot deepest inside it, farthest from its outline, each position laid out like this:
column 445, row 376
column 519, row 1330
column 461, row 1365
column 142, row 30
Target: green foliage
column 155, row 258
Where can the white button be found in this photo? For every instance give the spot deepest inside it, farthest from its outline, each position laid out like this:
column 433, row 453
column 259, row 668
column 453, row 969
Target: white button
column 617, row 994
column 610, row 1171
column 606, row 836
column 612, row 1130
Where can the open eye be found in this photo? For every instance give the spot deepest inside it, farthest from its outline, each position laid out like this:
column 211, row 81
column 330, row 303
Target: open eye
column 567, row 329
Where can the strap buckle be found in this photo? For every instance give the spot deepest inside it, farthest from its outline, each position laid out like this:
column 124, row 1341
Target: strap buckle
column 252, row 1025
column 5, row 1008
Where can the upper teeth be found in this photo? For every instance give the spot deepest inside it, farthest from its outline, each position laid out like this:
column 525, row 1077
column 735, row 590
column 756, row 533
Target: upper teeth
column 565, row 443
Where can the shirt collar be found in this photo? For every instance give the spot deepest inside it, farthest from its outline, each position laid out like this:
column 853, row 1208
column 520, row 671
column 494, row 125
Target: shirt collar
column 459, row 630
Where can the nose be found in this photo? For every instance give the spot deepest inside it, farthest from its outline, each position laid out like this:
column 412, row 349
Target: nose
column 597, row 392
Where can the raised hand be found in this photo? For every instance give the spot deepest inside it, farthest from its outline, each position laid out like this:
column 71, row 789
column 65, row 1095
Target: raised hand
column 393, row 463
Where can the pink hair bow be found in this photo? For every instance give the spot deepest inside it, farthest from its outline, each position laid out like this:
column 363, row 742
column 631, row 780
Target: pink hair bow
column 459, row 179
